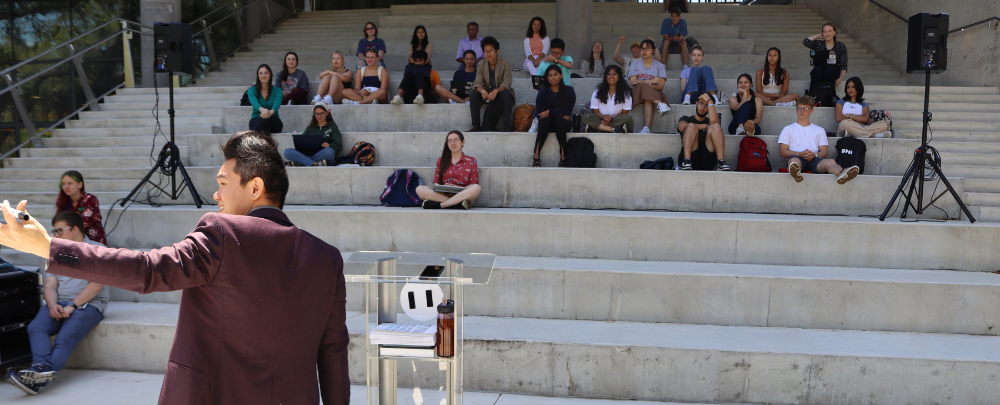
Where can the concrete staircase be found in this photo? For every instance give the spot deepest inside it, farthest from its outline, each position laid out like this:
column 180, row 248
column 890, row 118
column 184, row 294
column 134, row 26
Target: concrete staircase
column 611, row 282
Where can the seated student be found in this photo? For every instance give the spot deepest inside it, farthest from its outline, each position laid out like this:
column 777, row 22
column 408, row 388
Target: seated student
column 648, row 77
column 852, row 113
column 465, row 75
column 703, row 144
column 674, row 30
column 294, row 82
column 746, row 107
column 265, row 99
column 418, row 79
column 553, row 109
column 73, row 196
column 681, row 5
column 321, row 124
column 830, row 61
column 453, row 168
column 626, row 62
column 611, row 104
column 699, row 78
column 492, row 87
column 419, row 42
column 472, row 43
column 557, row 57
column 536, row 45
column 805, row 146
column 594, row 66
column 73, row 307
column 333, row 82
column 371, row 42
column 371, row 83
column 772, row 82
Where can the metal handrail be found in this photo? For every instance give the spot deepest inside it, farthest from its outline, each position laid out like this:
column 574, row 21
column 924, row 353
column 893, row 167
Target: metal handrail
column 975, row 24
column 890, row 11
column 221, row 19
column 215, row 11
column 70, row 41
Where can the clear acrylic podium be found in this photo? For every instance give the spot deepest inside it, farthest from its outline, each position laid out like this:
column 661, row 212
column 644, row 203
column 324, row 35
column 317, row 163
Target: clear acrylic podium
column 383, row 274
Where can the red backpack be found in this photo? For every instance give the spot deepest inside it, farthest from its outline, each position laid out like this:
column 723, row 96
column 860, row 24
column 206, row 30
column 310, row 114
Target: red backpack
column 753, row 156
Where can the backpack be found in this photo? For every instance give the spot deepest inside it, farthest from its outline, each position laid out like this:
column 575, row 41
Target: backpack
column 401, row 189
column 363, row 153
column 580, row 153
column 523, row 117
column 666, row 163
column 824, row 93
column 851, row 152
column 753, row 156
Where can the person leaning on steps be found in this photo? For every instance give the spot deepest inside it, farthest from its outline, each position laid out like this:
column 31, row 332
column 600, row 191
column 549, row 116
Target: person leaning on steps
column 553, row 109
column 321, row 124
column 593, row 67
column 471, row 43
column 852, row 114
column 772, row 82
column 453, row 168
column 747, row 109
column 265, row 99
column 420, row 42
column 467, row 74
column 536, row 46
column 557, row 57
column 73, row 307
column 636, row 54
column 674, row 31
column 492, row 87
column 703, row 145
column 699, row 78
column 371, row 42
column 611, row 103
column 73, row 196
column 805, row 146
column 371, row 83
column 419, row 81
column 830, row 63
column 648, row 77
column 294, row 82
column 333, row 82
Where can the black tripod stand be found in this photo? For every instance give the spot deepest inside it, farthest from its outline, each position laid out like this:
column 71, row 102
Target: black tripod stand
column 169, row 162
column 915, row 173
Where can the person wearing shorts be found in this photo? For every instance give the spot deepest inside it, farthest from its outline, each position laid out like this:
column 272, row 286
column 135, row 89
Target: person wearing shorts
column 704, row 144
column 805, row 146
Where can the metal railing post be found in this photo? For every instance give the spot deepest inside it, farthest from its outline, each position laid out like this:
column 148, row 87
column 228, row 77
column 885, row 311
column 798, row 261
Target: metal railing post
column 291, row 5
column 240, row 31
column 89, row 92
column 127, row 52
column 270, row 24
column 29, row 126
column 210, row 48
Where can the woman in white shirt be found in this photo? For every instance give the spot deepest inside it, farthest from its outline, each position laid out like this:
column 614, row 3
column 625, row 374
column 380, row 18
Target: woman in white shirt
column 536, row 45
column 852, row 113
column 772, row 82
column 611, row 104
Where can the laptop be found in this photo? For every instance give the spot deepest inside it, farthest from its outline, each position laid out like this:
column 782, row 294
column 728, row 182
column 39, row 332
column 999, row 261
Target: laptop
column 308, row 144
column 537, row 82
column 463, row 88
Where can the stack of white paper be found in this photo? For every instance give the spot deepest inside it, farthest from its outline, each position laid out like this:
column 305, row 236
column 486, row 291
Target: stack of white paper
column 403, row 334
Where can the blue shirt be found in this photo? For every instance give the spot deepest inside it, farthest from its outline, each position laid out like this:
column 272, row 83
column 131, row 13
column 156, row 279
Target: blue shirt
column 565, row 70
column 364, row 45
column 668, row 27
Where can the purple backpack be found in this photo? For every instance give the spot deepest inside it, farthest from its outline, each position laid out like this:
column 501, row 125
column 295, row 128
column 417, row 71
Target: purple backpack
column 401, row 189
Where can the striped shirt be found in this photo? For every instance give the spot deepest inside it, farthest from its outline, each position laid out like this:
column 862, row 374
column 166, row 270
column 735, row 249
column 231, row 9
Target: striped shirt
column 839, row 48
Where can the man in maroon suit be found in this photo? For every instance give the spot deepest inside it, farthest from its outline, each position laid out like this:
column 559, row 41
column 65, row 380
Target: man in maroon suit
column 263, row 305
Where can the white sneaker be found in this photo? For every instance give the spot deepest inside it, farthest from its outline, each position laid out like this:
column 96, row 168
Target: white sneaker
column 848, row 174
column 375, row 101
column 317, row 99
column 450, row 101
column 786, row 104
column 396, row 100
column 687, row 99
column 740, row 130
column 349, row 101
column 418, row 99
column 644, row 130
column 534, row 125
column 663, row 107
column 886, row 134
column 719, row 98
column 328, row 100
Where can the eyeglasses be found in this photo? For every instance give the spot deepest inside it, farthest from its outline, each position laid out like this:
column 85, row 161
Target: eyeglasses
column 320, row 113
column 489, row 52
column 472, row 29
column 646, row 48
column 369, row 28
column 803, row 109
column 455, row 140
column 58, row 232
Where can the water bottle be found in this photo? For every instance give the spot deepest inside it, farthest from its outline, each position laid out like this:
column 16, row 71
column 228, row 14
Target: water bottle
column 445, row 335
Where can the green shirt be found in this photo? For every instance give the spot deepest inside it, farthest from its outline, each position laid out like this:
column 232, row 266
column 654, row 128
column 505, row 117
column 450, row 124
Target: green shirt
column 271, row 103
column 330, row 133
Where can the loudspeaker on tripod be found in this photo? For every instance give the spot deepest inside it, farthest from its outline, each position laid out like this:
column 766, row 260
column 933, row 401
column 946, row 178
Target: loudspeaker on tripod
column 927, row 43
column 173, row 47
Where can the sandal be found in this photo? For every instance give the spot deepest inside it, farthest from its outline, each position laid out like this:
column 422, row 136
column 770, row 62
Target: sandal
column 562, row 163
column 536, row 163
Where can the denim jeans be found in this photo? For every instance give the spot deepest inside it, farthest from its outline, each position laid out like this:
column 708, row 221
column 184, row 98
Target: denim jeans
column 326, row 154
column 71, row 331
column 701, row 79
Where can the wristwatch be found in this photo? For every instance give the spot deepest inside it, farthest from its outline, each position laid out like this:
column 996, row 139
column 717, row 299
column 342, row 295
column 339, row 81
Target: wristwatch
column 73, row 304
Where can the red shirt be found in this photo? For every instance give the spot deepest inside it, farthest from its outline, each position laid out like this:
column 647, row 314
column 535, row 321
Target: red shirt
column 462, row 174
column 90, row 211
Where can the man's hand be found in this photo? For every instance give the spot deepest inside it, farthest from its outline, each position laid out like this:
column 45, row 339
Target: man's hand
column 493, row 94
column 55, row 312
column 621, row 39
column 706, row 98
column 808, row 155
column 29, row 236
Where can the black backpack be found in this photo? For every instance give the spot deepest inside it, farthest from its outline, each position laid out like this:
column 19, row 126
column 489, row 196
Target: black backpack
column 580, row 153
column 824, row 93
column 851, row 152
column 666, row 163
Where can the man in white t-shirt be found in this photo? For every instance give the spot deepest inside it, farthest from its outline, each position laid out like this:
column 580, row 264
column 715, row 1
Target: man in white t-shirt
column 805, row 146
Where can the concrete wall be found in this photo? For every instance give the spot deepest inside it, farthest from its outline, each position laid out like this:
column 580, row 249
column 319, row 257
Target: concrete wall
column 973, row 55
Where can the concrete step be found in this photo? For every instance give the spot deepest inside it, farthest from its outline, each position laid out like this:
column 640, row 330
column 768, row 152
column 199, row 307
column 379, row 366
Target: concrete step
column 950, row 136
column 982, row 185
column 919, row 90
column 550, row 352
column 967, row 147
column 627, row 235
column 872, row 97
column 910, row 125
column 971, row 159
column 948, row 116
column 973, row 172
column 936, row 108
column 116, row 151
column 113, row 142
column 143, row 91
column 21, row 259
column 989, row 214
column 140, row 114
column 48, row 198
column 983, row 199
column 92, row 185
column 145, row 122
column 177, row 98
column 92, row 173
column 77, row 162
column 147, row 106
column 143, row 132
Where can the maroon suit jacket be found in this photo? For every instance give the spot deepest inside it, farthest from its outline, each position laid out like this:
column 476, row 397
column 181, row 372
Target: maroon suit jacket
column 263, row 307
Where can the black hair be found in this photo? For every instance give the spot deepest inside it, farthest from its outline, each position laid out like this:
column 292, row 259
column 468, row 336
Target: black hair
column 71, row 219
column 557, row 43
column 860, row 88
column 446, row 156
column 315, row 122
column 561, row 85
column 468, row 51
column 750, row 78
column 472, row 23
column 542, row 33
column 675, row 10
column 270, row 78
column 257, row 155
column 490, row 40
column 622, row 89
column 419, row 54
column 650, row 42
column 416, row 43
column 779, row 73
column 284, row 65
column 590, row 59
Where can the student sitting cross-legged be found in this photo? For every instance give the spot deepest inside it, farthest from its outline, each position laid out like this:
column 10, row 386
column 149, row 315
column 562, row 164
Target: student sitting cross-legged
column 321, row 124
column 805, row 146
column 453, row 168
column 371, row 83
column 464, row 77
column 418, row 80
column 73, row 307
column 704, row 144
column 747, row 108
column 611, row 104
column 853, row 114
